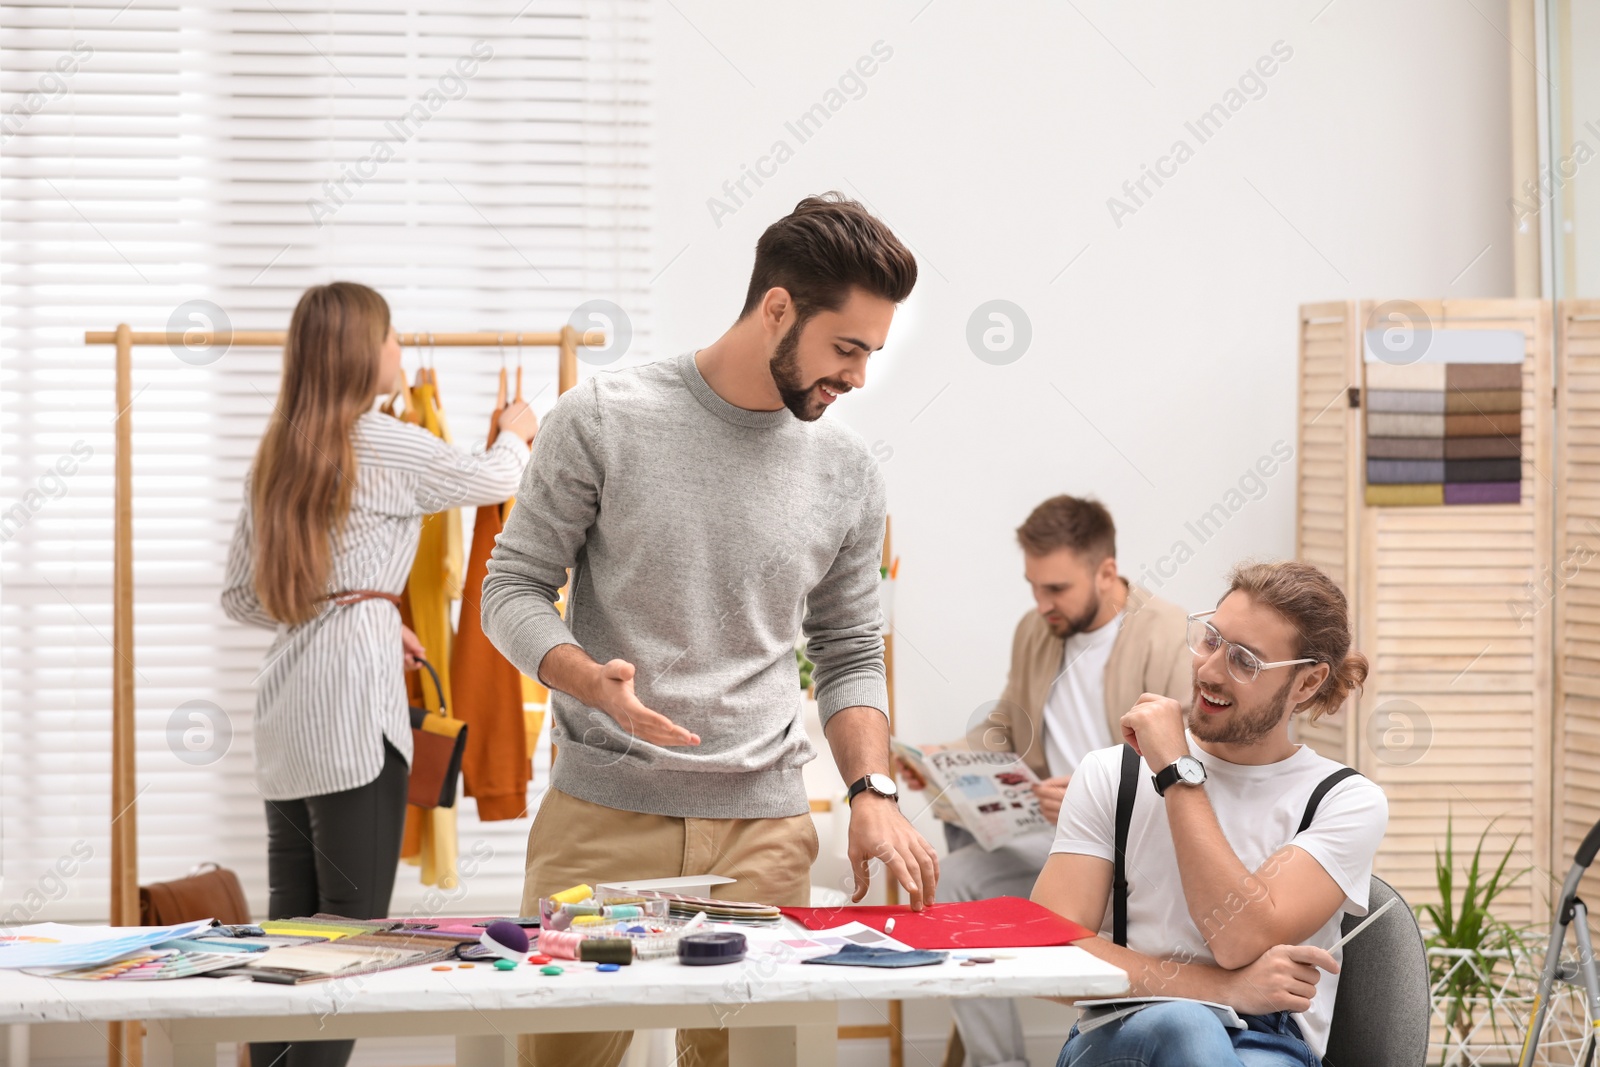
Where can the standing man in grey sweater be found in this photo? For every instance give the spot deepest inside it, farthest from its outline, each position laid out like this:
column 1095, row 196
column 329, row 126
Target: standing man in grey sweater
column 708, row 513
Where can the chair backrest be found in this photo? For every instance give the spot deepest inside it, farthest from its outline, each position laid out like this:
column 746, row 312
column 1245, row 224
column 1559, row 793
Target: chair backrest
column 1383, row 1012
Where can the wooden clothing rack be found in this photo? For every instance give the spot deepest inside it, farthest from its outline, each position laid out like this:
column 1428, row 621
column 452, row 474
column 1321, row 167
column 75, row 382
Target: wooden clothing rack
column 125, row 1038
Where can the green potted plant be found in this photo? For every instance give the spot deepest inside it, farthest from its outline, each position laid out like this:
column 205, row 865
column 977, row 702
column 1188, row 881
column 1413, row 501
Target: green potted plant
column 1473, row 956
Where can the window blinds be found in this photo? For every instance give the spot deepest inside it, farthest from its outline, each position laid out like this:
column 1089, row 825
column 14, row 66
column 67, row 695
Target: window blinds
column 484, row 165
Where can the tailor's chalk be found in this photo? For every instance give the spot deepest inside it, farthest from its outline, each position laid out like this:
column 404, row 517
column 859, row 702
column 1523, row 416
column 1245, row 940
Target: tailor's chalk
column 549, row 968
column 888, row 927
column 696, row 922
column 1368, row 921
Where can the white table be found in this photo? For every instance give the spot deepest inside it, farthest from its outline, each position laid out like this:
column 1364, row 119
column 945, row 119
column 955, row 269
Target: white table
column 776, row 1013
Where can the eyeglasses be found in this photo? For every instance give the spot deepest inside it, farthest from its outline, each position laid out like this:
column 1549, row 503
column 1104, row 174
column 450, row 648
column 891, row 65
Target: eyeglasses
column 1243, row 665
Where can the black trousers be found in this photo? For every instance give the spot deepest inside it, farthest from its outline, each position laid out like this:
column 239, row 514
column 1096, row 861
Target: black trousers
column 335, row 853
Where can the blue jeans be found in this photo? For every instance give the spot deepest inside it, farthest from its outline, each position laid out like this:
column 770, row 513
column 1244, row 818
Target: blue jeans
column 1188, row 1035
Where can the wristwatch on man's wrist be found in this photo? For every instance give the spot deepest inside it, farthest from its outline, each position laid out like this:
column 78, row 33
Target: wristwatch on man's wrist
column 880, row 784
column 1186, row 769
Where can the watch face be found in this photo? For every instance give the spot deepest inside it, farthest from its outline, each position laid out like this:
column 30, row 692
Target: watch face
column 882, row 783
column 1191, row 770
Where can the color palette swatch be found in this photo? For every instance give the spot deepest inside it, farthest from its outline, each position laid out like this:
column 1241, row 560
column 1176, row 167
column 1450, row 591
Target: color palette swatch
column 1443, row 430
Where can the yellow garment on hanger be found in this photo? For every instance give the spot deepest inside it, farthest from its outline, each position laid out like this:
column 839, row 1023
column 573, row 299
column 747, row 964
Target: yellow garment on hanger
column 430, row 834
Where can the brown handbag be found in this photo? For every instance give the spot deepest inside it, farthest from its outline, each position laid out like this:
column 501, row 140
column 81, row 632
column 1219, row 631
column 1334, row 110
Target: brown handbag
column 437, row 745
column 207, row 892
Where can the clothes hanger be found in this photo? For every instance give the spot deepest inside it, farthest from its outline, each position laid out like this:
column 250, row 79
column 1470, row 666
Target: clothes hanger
column 500, row 393
column 519, row 367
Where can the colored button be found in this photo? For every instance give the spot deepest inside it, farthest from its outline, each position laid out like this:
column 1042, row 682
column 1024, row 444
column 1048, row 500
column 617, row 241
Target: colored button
column 539, row 961
column 505, row 965
column 982, row 959
column 549, row 968
column 465, row 966
column 609, row 967
column 445, row 967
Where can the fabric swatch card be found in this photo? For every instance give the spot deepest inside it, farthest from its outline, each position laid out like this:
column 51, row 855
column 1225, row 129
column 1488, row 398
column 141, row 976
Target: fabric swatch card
column 1445, row 427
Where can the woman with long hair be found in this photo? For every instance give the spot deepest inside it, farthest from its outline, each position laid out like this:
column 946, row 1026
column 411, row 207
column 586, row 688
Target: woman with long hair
column 332, row 514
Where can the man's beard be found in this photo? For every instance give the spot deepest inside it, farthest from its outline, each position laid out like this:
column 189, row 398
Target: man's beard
column 1241, row 725
column 785, row 366
column 1078, row 625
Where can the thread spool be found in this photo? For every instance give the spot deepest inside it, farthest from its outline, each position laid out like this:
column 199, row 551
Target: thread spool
column 606, row 950
column 576, row 894
column 710, row 949
column 560, row 943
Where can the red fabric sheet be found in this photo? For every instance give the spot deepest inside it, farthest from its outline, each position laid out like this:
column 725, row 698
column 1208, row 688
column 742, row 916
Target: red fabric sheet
column 1000, row 922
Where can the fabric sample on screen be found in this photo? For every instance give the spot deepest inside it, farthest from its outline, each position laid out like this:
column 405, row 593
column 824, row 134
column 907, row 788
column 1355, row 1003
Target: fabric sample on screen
column 1406, row 448
column 1508, row 423
column 1482, row 401
column 1384, row 496
column 1421, row 401
column 1390, row 424
column 1482, row 448
column 1483, row 470
column 1483, row 493
column 1404, row 471
column 1469, row 376
column 1429, row 376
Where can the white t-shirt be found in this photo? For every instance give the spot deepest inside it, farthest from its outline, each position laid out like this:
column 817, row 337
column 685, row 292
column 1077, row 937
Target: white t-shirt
column 1075, row 709
column 1259, row 809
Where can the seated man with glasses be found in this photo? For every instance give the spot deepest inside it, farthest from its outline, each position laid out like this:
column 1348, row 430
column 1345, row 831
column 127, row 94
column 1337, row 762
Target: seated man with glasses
column 1242, row 850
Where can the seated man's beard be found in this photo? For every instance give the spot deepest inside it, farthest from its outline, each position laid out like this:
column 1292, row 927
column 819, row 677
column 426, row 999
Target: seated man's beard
column 1078, row 625
column 1243, row 726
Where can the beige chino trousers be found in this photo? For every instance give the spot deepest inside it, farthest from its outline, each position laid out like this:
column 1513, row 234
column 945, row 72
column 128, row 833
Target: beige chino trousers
column 575, row 842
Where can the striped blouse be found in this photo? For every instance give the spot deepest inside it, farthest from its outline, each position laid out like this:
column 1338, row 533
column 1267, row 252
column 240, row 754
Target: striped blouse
column 332, row 689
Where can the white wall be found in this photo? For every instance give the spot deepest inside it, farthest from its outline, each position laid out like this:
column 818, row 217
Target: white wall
column 1374, row 165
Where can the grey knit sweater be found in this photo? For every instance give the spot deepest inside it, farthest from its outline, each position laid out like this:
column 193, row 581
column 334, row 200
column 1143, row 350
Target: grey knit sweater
column 699, row 533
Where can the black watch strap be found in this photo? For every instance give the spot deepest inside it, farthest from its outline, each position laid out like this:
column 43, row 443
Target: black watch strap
column 1165, row 778
column 861, row 785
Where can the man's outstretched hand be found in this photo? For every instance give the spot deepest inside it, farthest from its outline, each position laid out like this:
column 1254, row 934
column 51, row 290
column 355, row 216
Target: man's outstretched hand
column 610, row 690
column 878, row 831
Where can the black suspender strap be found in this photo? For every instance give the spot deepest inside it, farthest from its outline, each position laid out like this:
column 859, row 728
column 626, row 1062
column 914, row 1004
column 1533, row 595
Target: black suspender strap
column 1126, row 791
column 1127, row 788
column 1321, row 791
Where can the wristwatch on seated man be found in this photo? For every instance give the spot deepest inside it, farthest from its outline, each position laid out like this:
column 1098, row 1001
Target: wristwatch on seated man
column 880, row 784
column 1185, row 769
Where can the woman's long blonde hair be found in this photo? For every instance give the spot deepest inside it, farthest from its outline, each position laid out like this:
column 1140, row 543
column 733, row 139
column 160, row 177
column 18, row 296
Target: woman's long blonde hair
column 306, row 465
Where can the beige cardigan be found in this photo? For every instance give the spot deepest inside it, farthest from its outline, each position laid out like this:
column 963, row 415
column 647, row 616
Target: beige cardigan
column 1148, row 656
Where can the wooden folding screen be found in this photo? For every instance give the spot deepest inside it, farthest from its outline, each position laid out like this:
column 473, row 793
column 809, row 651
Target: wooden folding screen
column 1574, row 586
column 1455, row 720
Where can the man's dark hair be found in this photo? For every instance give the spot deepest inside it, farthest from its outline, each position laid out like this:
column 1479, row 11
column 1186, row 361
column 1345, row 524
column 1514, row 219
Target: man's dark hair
column 1084, row 526
column 825, row 247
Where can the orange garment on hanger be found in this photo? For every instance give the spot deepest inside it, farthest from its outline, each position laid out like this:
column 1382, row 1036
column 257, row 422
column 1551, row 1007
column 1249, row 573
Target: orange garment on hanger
column 497, row 765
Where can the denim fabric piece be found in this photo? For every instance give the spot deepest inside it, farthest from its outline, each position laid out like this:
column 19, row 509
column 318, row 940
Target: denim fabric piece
column 866, row 956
